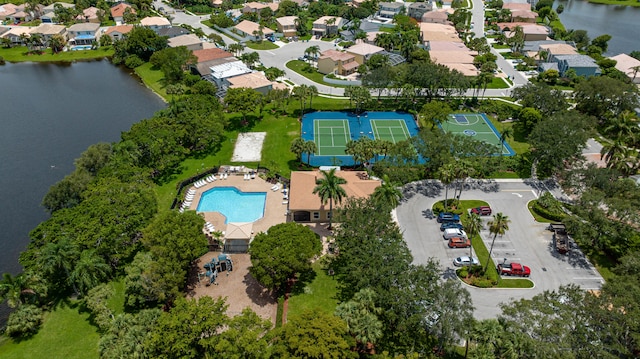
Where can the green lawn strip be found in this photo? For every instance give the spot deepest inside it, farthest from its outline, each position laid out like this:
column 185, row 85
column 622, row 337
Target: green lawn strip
column 262, row 45
column 518, row 147
column 313, row 75
column 116, row 302
column 498, row 83
column 19, row 54
column 515, row 283
column 499, row 46
column 153, row 79
column 557, row 24
column 318, row 295
column 65, row 333
column 616, row 2
column 504, row 174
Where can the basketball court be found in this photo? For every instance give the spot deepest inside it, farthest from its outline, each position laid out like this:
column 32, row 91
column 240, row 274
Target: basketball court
column 477, row 126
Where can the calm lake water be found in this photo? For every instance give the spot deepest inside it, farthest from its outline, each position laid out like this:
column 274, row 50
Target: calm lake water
column 49, row 115
column 621, row 22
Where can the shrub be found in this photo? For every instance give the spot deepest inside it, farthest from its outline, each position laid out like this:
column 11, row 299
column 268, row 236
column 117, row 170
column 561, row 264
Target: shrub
column 463, row 272
column 133, row 61
column 2, row 62
column 481, row 282
column 548, row 207
column 25, row 321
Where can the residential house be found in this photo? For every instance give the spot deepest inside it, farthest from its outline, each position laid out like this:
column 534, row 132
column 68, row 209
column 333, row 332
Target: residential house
column 256, row 7
column 583, row 65
column 387, row 10
column 216, row 3
column 253, row 80
column 337, row 62
column 190, row 41
column 221, row 72
column 363, row 51
column 3, row 30
column 550, row 51
column 117, row 12
column 15, row 34
column 156, row 23
column 301, row 3
column 47, row 31
column 173, row 31
column 532, row 48
column 371, row 37
column 438, row 32
column 249, row 28
column 440, row 16
column 118, row 32
column 327, row 25
column 417, row 9
column 460, row 61
column 20, row 15
column 287, row 25
column 48, row 12
column 520, row 12
column 6, row 10
column 83, row 33
column 532, row 32
column 91, row 14
column 305, row 206
column 629, row 65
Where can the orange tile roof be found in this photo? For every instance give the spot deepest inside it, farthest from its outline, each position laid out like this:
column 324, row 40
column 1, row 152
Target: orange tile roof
column 301, row 195
column 211, row 54
column 336, row 55
column 123, row 29
column 119, row 9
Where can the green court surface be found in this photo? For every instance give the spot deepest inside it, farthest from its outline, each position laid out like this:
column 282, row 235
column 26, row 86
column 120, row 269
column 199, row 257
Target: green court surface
column 476, row 126
column 331, row 136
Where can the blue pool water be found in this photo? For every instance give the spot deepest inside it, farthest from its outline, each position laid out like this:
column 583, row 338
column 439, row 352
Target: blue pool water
column 235, row 205
column 80, row 47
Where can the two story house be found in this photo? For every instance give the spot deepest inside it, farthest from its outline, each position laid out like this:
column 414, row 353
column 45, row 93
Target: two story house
column 337, row 62
column 327, row 25
column 83, row 34
column 287, row 25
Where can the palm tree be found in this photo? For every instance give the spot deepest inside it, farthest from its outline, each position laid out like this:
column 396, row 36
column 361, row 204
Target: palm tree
column 361, row 316
column 507, row 132
column 625, row 127
column 498, row 225
column 309, row 148
column 387, row 193
column 57, row 260
column 57, row 43
column 302, row 93
column 312, row 90
column 89, row 271
column 446, row 174
column 297, row 147
column 22, row 288
column 329, row 189
column 473, row 226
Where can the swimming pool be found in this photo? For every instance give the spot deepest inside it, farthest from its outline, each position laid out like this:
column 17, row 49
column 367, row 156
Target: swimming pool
column 235, row 205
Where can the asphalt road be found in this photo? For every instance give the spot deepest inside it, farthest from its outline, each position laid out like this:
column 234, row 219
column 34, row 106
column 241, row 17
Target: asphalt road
column 526, row 241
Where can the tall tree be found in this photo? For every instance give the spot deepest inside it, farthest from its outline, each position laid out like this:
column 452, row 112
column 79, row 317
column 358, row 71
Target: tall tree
column 387, row 194
column 446, row 175
column 473, row 226
column 329, row 189
column 297, row 147
column 310, row 148
column 499, row 225
column 361, row 316
column 243, row 100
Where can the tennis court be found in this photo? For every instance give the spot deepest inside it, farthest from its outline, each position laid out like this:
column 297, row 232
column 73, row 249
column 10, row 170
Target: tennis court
column 477, row 126
column 332, row 130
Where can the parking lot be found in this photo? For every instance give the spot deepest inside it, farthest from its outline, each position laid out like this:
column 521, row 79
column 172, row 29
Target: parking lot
column 526, row 241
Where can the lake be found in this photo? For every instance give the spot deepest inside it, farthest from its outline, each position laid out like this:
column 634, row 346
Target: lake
column 51, row 113
column 621, row 22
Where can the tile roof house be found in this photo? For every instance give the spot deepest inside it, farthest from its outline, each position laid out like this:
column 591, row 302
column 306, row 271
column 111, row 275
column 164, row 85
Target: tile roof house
column 438, row 32
column 440, row 16
column 83, row 33
column 203, row 68
column 523, row 16
column 287, row 25
column 629, row 65
column 549, row 51
column 155, row 23
column 211, row 54
column 532, row 32
column 327, row 25
column 14, row 34
column 221, row 72
column 583, row 65
column 117, row 12
column 256, row 7
column 7, row 10
column 249, row 28
column 516, row 6
column 47, row 31
column 387, row 10
column 190, row 41
column 363, row 51
column 253, row 80
column 305, row 206
column 90, row 14
column 118, row 32
column 333, row 61
column 417, row 9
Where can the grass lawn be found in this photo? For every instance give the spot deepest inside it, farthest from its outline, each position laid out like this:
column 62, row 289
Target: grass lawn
column 153, row 79
column 318, row 295
column 65, row 333
column 519, row 147
column 19, row 54
column 262, row 45
column 313, row 75
column 498, row 83
column 504, row 174
column 498, row 46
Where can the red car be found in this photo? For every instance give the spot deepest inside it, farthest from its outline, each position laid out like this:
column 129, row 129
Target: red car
column 459, row 242
column 482, row 210
column 514, row 269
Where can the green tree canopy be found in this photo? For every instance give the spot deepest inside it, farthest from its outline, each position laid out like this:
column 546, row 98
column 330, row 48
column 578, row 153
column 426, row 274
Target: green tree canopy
column 173, row 62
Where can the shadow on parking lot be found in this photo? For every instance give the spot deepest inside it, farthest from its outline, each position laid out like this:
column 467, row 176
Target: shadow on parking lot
column 574, row 258
column 427, row 188
column 449, row 273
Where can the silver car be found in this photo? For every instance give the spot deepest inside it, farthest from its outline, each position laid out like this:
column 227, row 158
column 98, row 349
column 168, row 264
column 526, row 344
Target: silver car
column 465, row 261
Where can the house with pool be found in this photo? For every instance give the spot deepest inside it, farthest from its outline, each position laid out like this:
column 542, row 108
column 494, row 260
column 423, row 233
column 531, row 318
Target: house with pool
column 305, row 206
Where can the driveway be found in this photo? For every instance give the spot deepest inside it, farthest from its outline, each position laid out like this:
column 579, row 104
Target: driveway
column 526, row 241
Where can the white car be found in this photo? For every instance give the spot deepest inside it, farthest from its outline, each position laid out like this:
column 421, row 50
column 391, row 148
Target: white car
column 465, row 261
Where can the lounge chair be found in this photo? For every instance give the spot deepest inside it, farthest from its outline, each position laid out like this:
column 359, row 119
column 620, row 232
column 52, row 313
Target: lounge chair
column 253, row 175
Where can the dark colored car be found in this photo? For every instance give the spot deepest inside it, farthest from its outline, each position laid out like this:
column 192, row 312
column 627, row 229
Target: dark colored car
column 447, row 225
column 448, row 217
column 482, row 210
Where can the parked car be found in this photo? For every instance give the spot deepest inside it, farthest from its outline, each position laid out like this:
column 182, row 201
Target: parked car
column 514, row 269
column 459, row 242
column 482, row 210
column 448, row 217
column 454, row 232
column 446, row 225
column 465, row 261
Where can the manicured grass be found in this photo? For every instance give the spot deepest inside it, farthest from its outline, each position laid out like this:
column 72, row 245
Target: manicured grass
column 153, row 78
column 498, row 46
column 313, row 75
column 504, row 174
column 19, row 54
column 557, row 24
column 515, row 283
column 616, row 2
column 517, row 146
column 116, row 303
column 318, row 295
column 65, row 333
column 498, row 83
column 262, row 45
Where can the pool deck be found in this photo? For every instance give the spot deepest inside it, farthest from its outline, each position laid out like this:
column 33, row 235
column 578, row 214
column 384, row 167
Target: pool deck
column 274, row 212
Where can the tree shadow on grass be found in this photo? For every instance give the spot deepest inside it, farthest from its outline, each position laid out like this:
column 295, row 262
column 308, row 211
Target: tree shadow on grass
column 303, row 279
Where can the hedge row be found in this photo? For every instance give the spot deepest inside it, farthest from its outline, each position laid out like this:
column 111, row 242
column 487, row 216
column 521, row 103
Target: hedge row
column 544, row 212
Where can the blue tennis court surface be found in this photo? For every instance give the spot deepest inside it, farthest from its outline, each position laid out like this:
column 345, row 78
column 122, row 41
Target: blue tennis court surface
column 332, row 130
column 479, row 127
